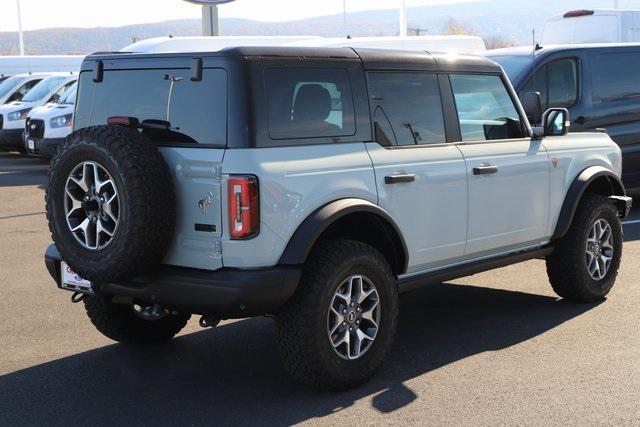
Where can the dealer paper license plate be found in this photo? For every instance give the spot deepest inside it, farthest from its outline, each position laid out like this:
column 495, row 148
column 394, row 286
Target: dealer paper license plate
column 72, row 281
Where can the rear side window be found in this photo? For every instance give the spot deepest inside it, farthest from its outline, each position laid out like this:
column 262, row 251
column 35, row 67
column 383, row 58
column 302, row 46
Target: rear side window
column 309, row 103
column 196, row 110
column 486, row 112
column 410, row 108
column 616, row 76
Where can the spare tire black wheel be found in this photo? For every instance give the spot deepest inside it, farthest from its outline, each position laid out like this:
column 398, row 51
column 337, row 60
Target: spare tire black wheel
column 110, row 203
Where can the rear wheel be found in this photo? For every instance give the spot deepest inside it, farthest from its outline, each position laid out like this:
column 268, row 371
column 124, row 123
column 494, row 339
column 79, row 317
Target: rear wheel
column 338, row 327
column 133, row 324
column 585, row 263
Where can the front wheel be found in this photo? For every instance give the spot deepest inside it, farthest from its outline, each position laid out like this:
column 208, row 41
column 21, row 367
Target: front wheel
column 336, row 330
column 584, row 265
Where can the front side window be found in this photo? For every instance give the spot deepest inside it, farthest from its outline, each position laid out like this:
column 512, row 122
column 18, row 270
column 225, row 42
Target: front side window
column 19, row 93
column 309, row 103
column 557, row 83
column 410, row 108
column 486, row 112
column 43, row 89
column 56, row 97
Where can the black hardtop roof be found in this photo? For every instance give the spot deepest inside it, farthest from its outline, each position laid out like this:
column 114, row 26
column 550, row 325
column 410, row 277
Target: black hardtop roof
column 371, row 58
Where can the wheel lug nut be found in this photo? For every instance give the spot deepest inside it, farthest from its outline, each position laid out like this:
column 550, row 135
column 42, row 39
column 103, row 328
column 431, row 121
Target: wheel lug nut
column 350, row 329
column 344, row 311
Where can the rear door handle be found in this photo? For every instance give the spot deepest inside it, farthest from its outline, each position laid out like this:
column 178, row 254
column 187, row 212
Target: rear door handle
column 485, row 170
column 399, row 178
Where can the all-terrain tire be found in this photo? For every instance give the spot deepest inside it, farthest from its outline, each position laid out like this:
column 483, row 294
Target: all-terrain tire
column 567, row 266
column 302, row 325
column 120, row 322
column 146, row 202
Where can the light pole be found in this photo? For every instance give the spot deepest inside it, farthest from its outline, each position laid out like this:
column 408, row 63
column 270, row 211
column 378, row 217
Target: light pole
column 21, row 39
column 210, row 19
column 403, row 18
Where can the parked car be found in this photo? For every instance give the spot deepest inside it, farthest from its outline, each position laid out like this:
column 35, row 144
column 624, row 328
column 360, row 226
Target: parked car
column 47, row 126
column 597, row 83
column 592, row 26
column 13, row 114
column 315, row 185
column 13, row 88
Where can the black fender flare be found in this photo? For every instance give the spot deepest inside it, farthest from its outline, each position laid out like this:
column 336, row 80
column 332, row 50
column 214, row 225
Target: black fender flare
column 308, row 232
column 577, row 190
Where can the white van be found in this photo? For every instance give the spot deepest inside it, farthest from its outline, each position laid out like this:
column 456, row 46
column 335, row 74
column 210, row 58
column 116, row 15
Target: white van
column 592, row 26
column 48, row 125
column 200, row 44
column 15, row 87
column 14, row 114
column 13, row 64
column 459, row 44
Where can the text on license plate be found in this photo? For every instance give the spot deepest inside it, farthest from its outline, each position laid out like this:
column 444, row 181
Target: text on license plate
column 72, row 281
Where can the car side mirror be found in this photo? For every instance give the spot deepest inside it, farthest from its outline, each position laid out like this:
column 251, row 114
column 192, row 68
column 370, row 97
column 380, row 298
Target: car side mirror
column 555, row 122
column 532, row 104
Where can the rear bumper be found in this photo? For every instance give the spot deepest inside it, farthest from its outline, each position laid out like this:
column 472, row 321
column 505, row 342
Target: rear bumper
column 225, row 294
column 45, row 147
column 11, row 137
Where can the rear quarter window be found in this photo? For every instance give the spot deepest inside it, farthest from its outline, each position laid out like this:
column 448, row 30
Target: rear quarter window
column 309, row 103
column 196, row 109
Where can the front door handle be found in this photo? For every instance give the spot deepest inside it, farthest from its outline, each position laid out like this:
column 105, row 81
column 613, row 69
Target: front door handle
column 485, row 170
column 399, row 178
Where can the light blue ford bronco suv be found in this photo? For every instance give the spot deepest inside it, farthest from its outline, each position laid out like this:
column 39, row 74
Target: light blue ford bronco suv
column 314, row 186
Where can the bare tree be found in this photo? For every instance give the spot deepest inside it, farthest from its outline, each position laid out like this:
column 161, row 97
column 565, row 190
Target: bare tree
column 454, row 27
column 496, row 42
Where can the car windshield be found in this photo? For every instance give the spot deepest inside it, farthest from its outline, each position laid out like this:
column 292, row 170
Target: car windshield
column 44, row 88
column 7, row 85
column 69, row 97
column 514, row 65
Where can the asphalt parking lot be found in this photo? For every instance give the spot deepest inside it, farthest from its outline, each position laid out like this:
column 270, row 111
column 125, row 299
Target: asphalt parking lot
column 495, row 348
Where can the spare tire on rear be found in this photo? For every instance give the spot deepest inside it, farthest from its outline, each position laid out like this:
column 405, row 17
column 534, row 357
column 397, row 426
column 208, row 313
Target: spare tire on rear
column 110, row 203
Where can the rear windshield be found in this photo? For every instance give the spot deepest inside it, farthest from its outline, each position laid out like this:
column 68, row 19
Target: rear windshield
column 309, row 103
column 196, row 110
column 44, row 88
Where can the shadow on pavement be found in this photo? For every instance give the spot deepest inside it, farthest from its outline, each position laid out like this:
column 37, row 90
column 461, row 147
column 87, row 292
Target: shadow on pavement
column 17, row 169
column 232, row 375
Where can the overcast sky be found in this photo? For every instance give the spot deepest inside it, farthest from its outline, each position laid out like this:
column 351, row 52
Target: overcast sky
column 96, row 13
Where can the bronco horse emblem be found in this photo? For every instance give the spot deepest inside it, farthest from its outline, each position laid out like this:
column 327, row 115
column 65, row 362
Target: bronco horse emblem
column 205, row 203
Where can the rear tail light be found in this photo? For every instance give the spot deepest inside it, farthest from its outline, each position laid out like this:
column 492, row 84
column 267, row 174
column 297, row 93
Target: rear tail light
column 244, row 205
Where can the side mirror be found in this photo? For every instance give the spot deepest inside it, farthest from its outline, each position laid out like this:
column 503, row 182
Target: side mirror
column 555, row 122
column 532, row 104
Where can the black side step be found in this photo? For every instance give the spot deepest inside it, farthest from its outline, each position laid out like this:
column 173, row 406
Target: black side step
column 407, row 284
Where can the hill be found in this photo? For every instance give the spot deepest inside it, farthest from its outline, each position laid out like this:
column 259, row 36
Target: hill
column 502, row 20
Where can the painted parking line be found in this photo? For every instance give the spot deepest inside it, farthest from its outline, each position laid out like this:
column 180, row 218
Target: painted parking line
column 631, row 222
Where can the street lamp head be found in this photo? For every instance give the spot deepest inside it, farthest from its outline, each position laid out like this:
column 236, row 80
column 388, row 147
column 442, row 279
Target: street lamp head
column 209, row 2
